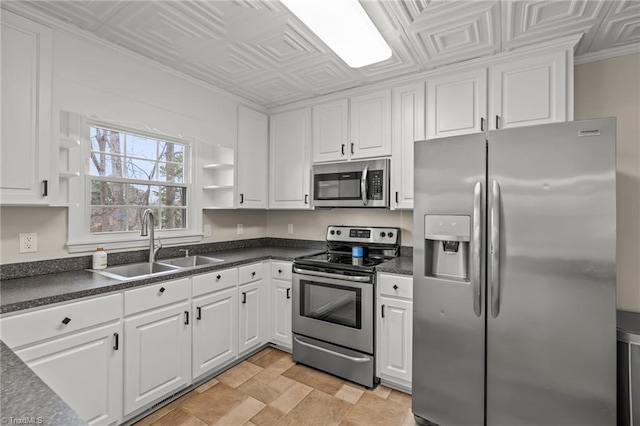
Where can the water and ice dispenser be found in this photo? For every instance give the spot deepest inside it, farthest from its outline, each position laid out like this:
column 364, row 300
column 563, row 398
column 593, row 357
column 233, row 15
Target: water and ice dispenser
column 447, row 240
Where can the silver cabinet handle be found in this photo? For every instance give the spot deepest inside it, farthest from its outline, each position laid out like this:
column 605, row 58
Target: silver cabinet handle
column 495, row 249
column 476, row 253
column 363, row 185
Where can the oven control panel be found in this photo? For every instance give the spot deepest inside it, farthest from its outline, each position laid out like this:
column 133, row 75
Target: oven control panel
column 356, row 234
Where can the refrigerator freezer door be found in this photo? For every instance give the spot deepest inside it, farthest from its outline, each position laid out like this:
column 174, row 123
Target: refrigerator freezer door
column 449, row 312
column 551, row 348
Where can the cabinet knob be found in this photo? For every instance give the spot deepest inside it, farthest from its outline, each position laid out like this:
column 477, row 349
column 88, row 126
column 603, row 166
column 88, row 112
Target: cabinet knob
column 253, row 274
column 66, row 320
column 279, row 271
column 342, row 150
column 288, row 293
column 395, row 286
column 162, row 289
column 218, row 277
column 244, row 297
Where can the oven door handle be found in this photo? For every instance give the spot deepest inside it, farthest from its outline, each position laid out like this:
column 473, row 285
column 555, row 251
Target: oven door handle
column 318, row 348
column 357, row 278
column 363, row 185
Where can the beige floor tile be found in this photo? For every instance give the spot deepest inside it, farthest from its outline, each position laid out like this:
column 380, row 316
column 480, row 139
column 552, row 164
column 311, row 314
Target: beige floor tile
column 269, row 358
column 242, row 413
column 260, row 391
column 281, row 383
column 291, row 397
column 403, row 399
column 381, row 391
column 268, row 416
column 259, row 354
column 409, row 420
column 318, row 409
column 206, row 385
column 239, row 374
column 164, row 410
column 179, row 417
column 273, row 371
column 249, row 424
column 349, row 394
column 371, row 410
column 316, row 379
column 212, row 404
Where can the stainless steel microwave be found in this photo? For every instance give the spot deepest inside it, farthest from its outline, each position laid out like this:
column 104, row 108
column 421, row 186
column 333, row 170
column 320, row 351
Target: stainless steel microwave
column 352, row 184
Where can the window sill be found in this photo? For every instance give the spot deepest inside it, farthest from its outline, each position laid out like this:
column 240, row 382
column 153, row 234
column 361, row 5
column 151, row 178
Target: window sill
column 129, row 242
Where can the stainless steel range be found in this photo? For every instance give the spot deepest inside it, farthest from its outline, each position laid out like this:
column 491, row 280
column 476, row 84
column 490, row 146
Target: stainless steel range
column 334, row 301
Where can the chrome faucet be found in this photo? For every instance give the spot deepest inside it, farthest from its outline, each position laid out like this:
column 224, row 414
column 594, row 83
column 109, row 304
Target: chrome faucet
column 147, row 229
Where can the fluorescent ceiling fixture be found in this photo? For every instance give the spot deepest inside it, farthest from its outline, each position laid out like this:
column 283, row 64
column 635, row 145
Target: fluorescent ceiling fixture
column 345, row 27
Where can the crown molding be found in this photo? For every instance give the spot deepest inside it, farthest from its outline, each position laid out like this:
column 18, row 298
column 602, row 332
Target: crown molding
column 607, row 53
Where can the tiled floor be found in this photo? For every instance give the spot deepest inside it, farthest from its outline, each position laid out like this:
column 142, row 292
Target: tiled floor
column 269, row 389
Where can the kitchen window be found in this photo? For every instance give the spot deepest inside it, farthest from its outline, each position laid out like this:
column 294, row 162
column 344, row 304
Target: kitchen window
column 126, row 169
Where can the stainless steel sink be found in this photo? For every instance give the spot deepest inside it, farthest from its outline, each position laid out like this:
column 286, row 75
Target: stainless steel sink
column 190, row 261
column 136, row 270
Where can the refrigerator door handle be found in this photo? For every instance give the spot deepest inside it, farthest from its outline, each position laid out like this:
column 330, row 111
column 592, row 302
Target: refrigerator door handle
column 495, row 249
column 477, row 235
column 363, row 186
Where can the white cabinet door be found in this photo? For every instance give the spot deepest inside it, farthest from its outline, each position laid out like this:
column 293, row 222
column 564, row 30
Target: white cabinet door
column 252, row 316
column 528, row 92
column 253, row 155
column 457, row 104
column 281, row 312
column 290, row 160
column 408, row 127
column 370, row 125
column 330, row 131
column 157, row 356
column 396, row 330
column 25, row 163
column 215, row 330
column 85, row 369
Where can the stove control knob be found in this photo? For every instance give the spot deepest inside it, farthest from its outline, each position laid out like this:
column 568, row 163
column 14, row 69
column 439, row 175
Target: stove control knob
column 332, row 232
column 382, row 234
column 390, row 234
column 338, row 232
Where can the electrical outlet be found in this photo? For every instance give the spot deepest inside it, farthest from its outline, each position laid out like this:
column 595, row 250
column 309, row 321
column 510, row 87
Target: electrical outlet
column 240, row 229
column 29, row 242
column 207, row 230
column 290, row 228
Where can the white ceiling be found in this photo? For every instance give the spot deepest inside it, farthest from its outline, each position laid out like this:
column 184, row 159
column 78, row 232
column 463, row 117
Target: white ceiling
column 258, row 50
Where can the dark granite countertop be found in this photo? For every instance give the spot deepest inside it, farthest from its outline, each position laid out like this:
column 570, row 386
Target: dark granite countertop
column 24, row 293
column 400, row 265
column 24, row 396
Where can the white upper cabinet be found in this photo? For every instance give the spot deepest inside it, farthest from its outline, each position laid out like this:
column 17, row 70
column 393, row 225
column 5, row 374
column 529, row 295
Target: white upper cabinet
column 359, row 127
column 370, row 125
column 290, row 160
column 25, row 163
column 457, row 104
column 253, row 133
column 527, row 92
column 408, row 127
column 330, row 131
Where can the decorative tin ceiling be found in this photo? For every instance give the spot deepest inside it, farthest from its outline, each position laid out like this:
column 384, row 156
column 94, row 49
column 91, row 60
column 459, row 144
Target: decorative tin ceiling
column 258, row 50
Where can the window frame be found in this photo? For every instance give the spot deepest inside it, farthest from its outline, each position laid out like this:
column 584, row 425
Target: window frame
column 80, row 237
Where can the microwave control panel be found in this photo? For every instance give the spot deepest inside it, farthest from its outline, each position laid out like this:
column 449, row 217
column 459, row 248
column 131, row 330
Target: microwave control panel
column 376, row 185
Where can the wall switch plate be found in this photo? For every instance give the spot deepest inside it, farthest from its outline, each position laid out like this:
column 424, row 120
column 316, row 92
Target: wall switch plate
column 240, row 229
column 29, row 242
column 290, row 228
column 207, row 230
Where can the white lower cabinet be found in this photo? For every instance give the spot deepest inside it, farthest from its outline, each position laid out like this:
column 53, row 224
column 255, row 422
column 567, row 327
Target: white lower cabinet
column 253, row 308
column 157, row 341
column 395, row 329
column 215, row 330
column 281, row 304
column 76, row 349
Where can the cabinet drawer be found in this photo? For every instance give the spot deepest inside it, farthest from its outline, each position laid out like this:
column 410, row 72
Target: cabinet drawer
column 396, row 285
column 154, row 296
column 214, row 281
column 249, row 273
column 281, row 270
column 23, row 329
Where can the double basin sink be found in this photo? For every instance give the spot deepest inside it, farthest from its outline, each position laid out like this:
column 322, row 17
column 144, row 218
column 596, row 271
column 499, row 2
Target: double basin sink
column 165, row 266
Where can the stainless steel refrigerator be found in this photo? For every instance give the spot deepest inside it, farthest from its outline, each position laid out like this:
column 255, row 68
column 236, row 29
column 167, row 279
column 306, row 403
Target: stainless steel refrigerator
column 514, row 277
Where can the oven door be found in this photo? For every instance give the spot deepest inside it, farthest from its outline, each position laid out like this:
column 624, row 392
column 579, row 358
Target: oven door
column 334, row 308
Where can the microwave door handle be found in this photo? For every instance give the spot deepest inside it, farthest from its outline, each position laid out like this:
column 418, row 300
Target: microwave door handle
column 363, row 185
